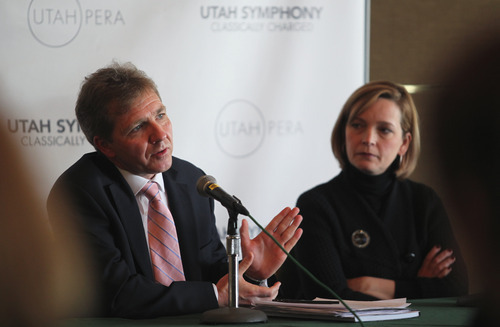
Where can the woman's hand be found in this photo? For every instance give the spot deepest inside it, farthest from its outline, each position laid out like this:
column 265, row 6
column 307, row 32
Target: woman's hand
column 380, row 288
column 437, row 263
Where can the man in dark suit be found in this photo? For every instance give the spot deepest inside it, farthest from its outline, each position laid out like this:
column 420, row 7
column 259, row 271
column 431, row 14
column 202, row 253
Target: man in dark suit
column 120, row 111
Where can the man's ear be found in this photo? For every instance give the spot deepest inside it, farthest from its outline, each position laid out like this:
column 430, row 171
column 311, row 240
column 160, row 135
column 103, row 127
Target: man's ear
column 103, row 145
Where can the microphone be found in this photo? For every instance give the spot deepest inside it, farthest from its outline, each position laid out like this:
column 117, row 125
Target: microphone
column 207, row 186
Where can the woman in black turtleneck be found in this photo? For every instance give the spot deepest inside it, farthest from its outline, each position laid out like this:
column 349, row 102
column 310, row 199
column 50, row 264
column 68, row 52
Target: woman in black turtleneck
column 370, row 233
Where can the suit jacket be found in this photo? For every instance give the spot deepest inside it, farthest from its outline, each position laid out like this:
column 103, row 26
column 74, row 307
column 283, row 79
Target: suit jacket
column 108, row 216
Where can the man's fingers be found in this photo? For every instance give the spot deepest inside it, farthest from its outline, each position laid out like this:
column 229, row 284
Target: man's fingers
column 293, row 240
column 286, row 221
column 245, row 263
column 274, row 290
column 282, row 220
column 245, row 237
column 277, row 219
column 244, row 226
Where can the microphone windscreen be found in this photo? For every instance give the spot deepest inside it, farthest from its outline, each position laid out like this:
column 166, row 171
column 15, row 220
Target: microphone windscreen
column 203, row 182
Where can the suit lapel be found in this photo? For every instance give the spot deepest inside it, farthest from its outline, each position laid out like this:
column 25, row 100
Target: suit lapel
column 128, row 211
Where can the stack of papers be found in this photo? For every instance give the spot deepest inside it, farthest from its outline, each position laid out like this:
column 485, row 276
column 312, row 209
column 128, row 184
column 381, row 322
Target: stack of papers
column 325, row 309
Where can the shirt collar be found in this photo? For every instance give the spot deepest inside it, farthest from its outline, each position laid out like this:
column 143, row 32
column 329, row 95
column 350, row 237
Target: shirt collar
column 136, row 182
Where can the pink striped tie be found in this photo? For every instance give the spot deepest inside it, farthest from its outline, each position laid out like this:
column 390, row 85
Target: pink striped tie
column 163, row 243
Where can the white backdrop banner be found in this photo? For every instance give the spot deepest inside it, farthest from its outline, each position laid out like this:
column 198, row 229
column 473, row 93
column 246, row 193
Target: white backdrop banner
column 253, row 88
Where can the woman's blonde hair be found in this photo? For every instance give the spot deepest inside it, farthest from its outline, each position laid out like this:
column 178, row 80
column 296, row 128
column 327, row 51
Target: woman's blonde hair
column 364, row 97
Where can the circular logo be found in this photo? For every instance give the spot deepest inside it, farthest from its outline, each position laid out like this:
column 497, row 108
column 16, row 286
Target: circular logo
column 240, row 128
column 54, row 23
column 360, row 238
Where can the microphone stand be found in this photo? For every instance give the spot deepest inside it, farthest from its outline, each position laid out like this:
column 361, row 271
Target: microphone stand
column 233, row 313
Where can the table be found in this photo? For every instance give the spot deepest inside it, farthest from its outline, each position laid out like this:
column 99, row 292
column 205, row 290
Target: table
column 433, row 312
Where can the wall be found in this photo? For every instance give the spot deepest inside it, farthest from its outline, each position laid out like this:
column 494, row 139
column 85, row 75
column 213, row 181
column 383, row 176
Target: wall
column 247, row 84
column 417, row 43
